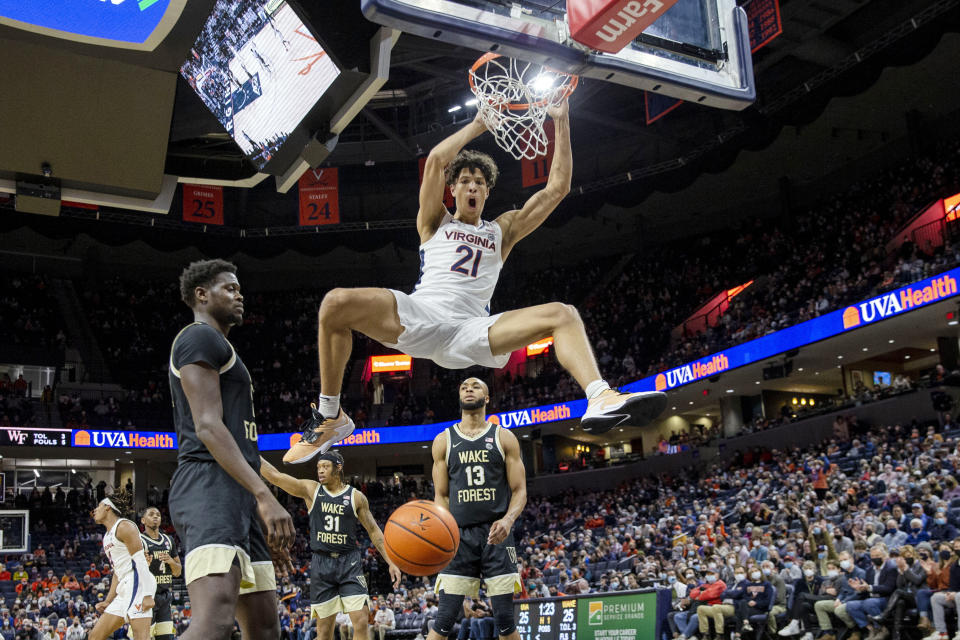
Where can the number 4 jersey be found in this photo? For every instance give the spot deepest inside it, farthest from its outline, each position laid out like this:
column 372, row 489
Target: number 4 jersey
column 159, row 568
column 460, row 266
column 479, row 492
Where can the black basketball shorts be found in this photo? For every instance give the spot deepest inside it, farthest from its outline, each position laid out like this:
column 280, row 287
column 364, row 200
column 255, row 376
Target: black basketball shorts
column 495, row 564
column 218, row 525
column 337, row 584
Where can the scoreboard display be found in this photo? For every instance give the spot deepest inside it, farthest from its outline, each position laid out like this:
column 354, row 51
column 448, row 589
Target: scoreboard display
column 547, row 619
column 623, row 615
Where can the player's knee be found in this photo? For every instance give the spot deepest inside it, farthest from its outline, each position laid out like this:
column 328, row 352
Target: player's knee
column 215, row 629
column 449, row 608
column 563, row 314
column 333, row 304
column 502, row 606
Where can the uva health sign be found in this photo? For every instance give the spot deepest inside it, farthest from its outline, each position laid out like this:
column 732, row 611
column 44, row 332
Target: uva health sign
column 893, row 303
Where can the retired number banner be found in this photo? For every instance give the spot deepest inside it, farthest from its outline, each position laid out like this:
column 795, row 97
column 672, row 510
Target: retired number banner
column 319, row 197
column 202, row 203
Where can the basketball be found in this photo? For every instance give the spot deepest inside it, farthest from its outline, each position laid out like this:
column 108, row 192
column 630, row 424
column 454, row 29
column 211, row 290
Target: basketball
column 421, row 537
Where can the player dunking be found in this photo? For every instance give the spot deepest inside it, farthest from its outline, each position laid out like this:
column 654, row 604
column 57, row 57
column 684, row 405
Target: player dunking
column 164, row 561
column 479, row 476
column 446, row 318
column 217, row 499
column 132, row 587
column 337, row 584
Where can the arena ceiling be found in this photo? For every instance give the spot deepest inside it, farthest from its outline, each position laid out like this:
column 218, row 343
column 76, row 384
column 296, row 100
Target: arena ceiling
column 827, row 50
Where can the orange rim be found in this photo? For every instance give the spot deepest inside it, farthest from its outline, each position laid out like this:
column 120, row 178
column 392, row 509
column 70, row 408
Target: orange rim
column 520, row 106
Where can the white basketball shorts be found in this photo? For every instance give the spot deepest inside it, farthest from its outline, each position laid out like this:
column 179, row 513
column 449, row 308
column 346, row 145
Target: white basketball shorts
column 130, row 594
column 430, row 332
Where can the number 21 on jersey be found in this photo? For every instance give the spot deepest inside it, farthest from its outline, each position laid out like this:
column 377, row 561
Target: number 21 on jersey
column 464, row 264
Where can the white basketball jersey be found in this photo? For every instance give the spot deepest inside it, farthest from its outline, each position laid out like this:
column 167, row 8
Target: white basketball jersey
column 460, row 266
column 117, row 552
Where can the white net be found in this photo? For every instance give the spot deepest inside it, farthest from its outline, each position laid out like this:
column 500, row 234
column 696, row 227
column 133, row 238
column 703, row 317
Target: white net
column 512, row 99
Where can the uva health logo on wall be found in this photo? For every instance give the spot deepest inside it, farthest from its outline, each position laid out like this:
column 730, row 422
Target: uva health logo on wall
column 125, row 439
column 690, row 372
column 890, row 304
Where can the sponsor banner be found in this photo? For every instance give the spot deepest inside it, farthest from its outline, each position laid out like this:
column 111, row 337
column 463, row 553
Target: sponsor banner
column 628, row 617
column 319, row 197
column 398, row 362
column 913, row 296
column 124, row 439
column 203, row 203
column 610, row 25
column 427, row 432
column 30, row 437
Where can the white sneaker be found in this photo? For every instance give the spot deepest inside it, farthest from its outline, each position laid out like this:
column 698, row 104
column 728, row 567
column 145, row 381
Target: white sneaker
column 956, row 636
column 807, row 636
column 791, row 629
column 747, row 626
column 614, row 409
column 936, row 635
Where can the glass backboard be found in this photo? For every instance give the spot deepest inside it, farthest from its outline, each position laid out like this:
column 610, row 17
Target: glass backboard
column 698, row 51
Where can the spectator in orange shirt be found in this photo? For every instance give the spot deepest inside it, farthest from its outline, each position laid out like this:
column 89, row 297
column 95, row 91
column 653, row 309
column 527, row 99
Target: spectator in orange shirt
column 4, row 574
column 93, row 573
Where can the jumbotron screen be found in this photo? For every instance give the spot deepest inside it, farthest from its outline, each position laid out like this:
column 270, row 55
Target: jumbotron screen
column 259, row 70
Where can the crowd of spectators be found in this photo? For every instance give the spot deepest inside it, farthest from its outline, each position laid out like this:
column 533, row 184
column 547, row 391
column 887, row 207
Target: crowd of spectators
column 29, row 313
column 813, row 262
column 812, row 542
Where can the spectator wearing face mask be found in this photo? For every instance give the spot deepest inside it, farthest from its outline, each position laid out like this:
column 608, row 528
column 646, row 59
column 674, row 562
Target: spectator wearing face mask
column 756, row 600
column 872, row 593
column 917, row 533
column 947, row 599
column 726, row 608
column 6, row 631
column 940, row 528
column 791, row 571
column 807, row 592
column 938, row 579
column 893, row 538
column 780, row 602
column 76, row 631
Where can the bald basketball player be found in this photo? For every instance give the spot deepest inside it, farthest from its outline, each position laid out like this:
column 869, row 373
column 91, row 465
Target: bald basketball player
column 479, row 476
column 447, row 317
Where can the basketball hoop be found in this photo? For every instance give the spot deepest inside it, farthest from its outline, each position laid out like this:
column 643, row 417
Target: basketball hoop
column 513, row 97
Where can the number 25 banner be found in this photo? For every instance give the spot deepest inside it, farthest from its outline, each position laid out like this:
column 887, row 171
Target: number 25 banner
column 202, row 203
column 319, row 197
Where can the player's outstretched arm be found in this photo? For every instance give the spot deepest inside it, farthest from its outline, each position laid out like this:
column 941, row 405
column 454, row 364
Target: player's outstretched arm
column 516, row 478
column 431, row 189
column 519, row 223
column 305, row 489
column 375, row 533
column 201, row 384
column 441, row 478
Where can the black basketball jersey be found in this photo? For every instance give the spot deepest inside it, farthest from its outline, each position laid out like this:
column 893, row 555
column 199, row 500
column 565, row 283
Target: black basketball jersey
column 333, row 521
column 199, row 342
column 159, row 569
column 479, row 492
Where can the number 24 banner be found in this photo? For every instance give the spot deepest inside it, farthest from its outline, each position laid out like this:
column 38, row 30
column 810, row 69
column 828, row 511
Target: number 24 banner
column 319, row 197
column 203, row 203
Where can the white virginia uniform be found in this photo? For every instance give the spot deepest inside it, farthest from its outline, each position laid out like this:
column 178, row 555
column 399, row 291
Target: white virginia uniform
column 132, row 585
column 447, row 316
